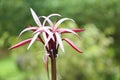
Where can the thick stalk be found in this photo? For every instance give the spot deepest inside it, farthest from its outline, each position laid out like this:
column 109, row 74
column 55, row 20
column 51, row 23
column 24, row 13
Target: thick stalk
column 53, row 68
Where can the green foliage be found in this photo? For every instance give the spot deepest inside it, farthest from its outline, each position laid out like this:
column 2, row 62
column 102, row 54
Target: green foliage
column 10, row 70
column 96, row 63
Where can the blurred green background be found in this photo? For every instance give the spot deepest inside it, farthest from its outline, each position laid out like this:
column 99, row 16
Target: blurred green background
column 100, row 41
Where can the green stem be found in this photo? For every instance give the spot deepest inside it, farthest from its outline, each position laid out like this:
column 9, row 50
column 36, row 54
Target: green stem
column 53, row 68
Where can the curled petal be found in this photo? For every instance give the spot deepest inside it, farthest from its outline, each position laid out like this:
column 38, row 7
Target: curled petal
column 21, row 43
column 53, row 15
column 75, row 30
column 68, row 31
column 62, row 20
column 35, row 17
column 29, row 28
column 72, row 45
column 47, row 18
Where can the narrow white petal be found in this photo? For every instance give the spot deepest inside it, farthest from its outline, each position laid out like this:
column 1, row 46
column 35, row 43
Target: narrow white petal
column 33, row 39
column 48, row 20
column 59, row 40
column 42, row 29
column 30, row 28
column 44, row 36
column 35, row 17
column 53, row 15
column 68, row 30
column 50, row 34
column 48, row 39
column 62, row 20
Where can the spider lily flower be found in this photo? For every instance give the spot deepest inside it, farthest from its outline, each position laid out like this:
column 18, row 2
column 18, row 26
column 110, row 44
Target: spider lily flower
column 51, row 33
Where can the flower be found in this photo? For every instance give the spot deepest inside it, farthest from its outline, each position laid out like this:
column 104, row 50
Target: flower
column 51, row 33
column 52, row 39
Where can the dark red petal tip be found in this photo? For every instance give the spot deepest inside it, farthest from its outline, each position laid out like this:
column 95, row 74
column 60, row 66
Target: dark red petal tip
column 72, row 45
column 20, row 43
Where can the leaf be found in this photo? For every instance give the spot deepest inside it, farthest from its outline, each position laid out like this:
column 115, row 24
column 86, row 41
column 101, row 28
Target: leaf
column 59, row 40
column 33, row 39
column 62, row 20
column 35, row 17
column 21, row 43
column 72, row 45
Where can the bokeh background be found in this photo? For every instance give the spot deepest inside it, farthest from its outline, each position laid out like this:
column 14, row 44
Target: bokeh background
column 100, row 41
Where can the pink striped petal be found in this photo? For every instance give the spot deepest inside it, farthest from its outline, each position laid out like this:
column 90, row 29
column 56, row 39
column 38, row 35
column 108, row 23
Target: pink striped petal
column 42, row 29
column 50, row 34
column 49, row 17
column 69, row 31
column 48, row 20
column 53, row 15
column 48, row 39
column 33, row 39
column 59, row 40
column 44, row 36
column 62, row 20
column 75, row 30
column 21, row 43
column 72, row 45
column 35, row 17
column 29, row 28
